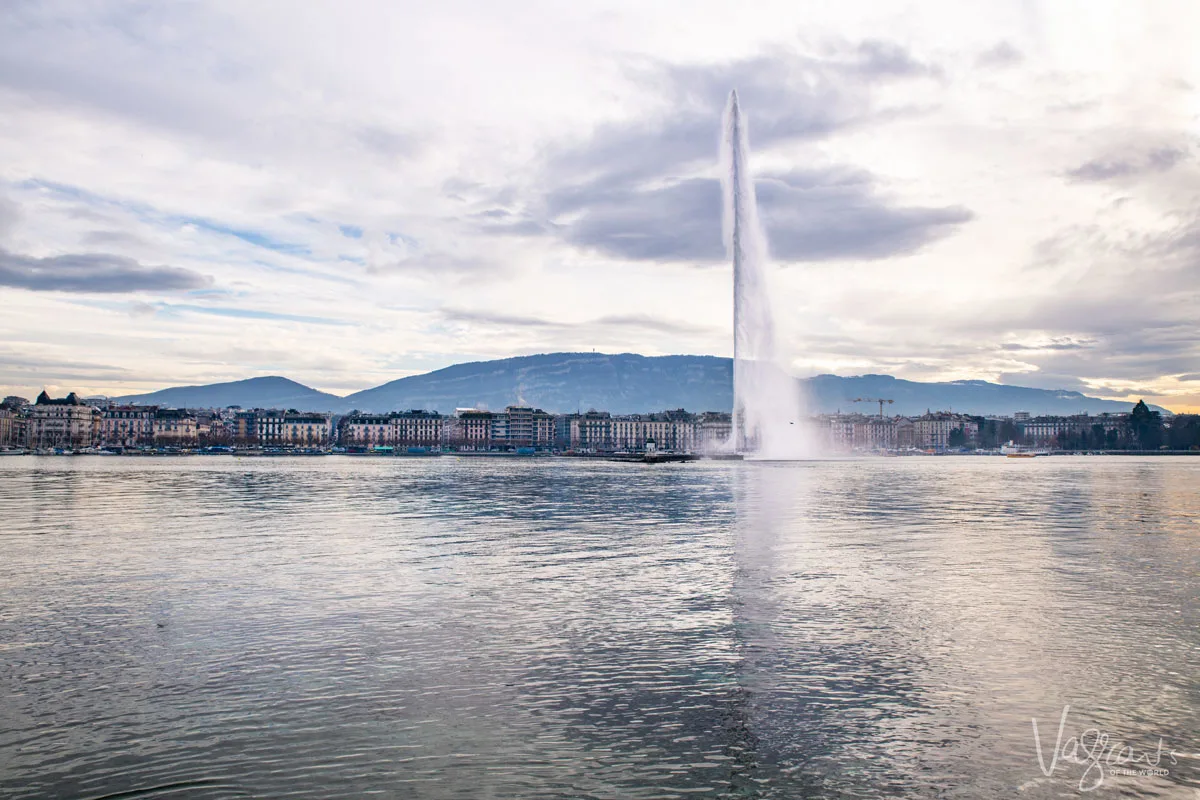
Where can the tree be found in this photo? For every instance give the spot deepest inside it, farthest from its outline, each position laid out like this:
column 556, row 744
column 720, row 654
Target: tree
column 957, row 437
column 1146, row 426
column 1184, row 433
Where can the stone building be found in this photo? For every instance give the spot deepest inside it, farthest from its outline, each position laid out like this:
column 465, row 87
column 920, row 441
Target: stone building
column 127, row 426
column 367, row 430
column 60, row 423
column 589, row 432
column 669, row 430
column 12, row 429
column 471, row 429
column 714, row 429
column 175, row 427
column 305, row 430
column 417, row 428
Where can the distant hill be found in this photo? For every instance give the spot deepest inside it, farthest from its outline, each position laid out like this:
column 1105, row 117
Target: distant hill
column 829, row 393
column 623, row 383
column 562, row 382
column 627, row 383
column 267, row 392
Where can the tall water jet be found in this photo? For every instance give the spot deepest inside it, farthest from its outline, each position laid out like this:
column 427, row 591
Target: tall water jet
column 768, row 420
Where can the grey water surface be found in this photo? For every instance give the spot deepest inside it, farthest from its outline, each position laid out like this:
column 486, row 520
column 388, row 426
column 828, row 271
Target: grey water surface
column 485, row 628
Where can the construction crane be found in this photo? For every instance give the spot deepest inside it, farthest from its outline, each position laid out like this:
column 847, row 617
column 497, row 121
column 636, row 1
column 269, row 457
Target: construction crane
column 880, row 400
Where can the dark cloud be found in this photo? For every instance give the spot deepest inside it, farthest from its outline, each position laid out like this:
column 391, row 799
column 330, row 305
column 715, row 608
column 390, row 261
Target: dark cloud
column 876, row 58
column 22, row 367
column 8, row 216
column 810, row 215
column 1002, row 55
column 631, row 190
column 93, row 272
column 636, row 321
column 1157, row 160
column 110, row 238
column 1064, row 343
column 1188, row 378
column 1134, row 303
column 496, row 318
column 645, row 322
column 788, row 97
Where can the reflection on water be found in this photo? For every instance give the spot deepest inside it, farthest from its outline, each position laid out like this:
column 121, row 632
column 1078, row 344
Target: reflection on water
column 555, row 628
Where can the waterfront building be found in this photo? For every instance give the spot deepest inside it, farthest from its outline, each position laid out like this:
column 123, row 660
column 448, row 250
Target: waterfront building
column 525, row 426
column 471, row 429
column 60, row 423
column 214, row 428
column 932, row 430
column 269, row 426
column 292, row 428
column 175, row 427
column 840, row 431
column 417, row 428
column 8, row 429
column 1046, row 431
column 714, row 430
column 590, row 431
column 669, row 430
column 306, row 429
column 499, row 431
column 873, row 433
column 245, row 428
column 368, row 430
column 127, row 426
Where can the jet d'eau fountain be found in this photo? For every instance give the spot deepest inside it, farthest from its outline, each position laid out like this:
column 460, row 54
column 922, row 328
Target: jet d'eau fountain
column 768, row 419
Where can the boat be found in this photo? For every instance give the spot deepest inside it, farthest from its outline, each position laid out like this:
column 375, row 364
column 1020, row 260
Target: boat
column 14, row 452
column 1018, row 451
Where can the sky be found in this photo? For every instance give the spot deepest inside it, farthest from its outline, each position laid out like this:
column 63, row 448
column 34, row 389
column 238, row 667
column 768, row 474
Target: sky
column 347, row 193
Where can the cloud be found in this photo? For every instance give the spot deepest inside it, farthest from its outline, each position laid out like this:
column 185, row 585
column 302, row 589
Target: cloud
column 8, row 216
column 644, row 322
column 789, row 96
column 810, row 215
column 496, row 318
column 1001, row 55
column 1188, row 378
column 1039, row 379
column 105, row 238
column 390, row 262
column 248, row 313
column 1061, row 343
column 93, row 272
column 1159, row 159
column 877, row 58
column 635, row 189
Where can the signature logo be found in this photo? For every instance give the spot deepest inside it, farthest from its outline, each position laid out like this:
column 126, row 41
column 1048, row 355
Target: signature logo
column 1096, row 751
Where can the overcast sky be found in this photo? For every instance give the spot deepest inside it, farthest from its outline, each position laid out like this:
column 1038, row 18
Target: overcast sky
column 348, row 192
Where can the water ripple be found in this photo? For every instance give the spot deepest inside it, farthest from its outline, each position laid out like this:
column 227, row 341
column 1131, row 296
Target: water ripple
column 437, row 628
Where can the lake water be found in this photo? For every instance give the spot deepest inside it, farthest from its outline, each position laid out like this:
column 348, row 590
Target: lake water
column 486, row 628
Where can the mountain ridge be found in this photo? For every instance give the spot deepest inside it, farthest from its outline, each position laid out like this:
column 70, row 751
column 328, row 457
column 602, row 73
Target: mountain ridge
column 266, row 391
column 622, row 383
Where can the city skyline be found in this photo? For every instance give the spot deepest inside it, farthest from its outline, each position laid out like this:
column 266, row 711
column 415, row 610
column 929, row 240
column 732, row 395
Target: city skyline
column 192, row 194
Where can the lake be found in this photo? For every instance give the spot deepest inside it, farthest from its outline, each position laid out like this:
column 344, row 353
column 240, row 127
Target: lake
column 506, row 628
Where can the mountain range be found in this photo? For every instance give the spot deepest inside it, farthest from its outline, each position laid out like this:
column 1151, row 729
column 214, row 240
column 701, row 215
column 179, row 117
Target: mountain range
column 623, row 383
